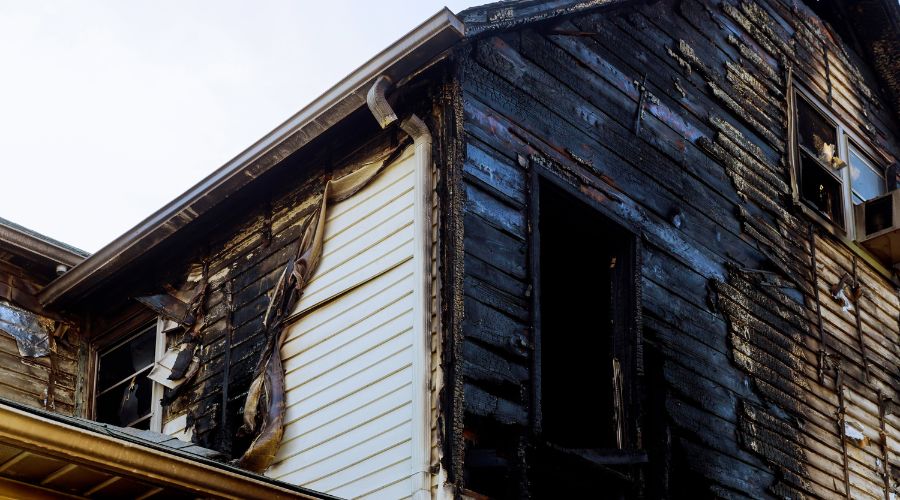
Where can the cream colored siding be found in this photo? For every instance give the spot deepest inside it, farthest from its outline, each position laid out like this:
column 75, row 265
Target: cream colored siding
column 349, row 357
column 177, row 427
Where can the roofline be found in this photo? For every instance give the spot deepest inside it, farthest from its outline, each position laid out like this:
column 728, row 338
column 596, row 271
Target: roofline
column 45, row 435
column 38, row 245
column 399, row 60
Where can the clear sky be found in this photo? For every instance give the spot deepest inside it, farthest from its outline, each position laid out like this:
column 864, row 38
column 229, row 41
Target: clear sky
column 109, row 109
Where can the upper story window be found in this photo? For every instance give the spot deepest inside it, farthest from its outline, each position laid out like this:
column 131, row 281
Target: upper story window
column 586, row 339
column 125, row 396
column 834, row 173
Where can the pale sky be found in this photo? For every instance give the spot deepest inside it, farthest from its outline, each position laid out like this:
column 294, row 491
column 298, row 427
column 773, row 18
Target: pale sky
column 109, row 108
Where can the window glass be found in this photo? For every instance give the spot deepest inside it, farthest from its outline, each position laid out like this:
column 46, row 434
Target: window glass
column 127, row 358
column 815, row 132
column 124, row 393
column 865, row 180
column 820, row 189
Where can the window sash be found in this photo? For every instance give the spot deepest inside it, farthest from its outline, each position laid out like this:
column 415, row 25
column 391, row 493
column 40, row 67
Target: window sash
column 126, row 379
column 867, row 163
column 156, row 411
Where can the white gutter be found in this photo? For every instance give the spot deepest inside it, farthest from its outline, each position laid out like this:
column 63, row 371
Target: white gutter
column 422, row 222
column 421, row 423
column 401, row 59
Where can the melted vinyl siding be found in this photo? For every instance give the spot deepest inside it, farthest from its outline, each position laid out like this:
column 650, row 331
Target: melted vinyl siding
column 28, row 380
column 348, row 359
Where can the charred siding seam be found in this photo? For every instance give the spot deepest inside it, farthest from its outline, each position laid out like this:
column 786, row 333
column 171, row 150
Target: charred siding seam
column 453, row 202
column 841, row 425
column 859, row 332
column 823, row 352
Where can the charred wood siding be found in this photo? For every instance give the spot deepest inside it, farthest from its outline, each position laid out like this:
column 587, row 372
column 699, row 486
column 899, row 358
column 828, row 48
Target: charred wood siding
column 245, row 255
column 47, row 382
column 674, row 116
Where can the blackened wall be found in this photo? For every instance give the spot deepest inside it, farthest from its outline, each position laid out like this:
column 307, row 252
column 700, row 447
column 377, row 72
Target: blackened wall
column 673, row 116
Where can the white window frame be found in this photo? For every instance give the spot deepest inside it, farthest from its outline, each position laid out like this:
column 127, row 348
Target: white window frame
column 867, row 158
column 157, row 390
column 846, row 139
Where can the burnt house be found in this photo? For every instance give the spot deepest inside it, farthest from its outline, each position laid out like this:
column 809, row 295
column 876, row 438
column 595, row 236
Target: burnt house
column 545, row 249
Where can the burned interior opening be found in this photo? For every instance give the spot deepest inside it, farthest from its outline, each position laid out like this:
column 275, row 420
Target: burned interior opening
column 821, row 190
column 584, row 377
column 124, row 393
column 820, row 182
column 578, row 255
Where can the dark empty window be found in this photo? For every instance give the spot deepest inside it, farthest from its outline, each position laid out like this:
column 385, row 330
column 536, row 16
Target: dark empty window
column 820, row 176
column 821, row 190
column 586, row 342
column 124, row 393
column 814, row 132
column 879, row 216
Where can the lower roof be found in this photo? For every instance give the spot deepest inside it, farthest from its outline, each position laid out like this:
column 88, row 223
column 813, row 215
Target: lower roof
column 46, row 455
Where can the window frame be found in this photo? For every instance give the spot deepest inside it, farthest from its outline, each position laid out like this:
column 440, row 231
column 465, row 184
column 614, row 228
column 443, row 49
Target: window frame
column 627, row 341
column 872, row 164
column 846, row 138
column 116, row 336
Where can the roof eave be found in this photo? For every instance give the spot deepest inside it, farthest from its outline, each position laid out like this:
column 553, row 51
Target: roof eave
column 399, row 60
column 44, row 435
column 43, row 249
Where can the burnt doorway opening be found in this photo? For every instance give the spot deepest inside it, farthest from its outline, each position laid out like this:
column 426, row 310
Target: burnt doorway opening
column 585, row 290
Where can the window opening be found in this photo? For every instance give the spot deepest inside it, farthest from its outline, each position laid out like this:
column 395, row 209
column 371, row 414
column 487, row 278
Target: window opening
column 821, row 181
column 586, row 344
column 124, row 393
column 834, row 172
column 821, row 190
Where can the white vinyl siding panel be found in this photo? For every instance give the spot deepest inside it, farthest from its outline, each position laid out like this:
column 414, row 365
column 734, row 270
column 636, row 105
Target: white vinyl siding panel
column 348, row 358
column 177, row 428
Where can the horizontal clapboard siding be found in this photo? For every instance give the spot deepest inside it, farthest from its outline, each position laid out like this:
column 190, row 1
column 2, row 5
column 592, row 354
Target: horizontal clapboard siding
column 177, row 427
column 348, row 358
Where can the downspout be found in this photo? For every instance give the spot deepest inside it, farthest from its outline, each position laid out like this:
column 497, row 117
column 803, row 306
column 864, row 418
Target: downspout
column 422, row 228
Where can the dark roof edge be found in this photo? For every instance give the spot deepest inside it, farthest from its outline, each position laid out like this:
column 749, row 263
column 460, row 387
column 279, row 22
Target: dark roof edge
column 507, row 14
column 38, row 245
column 402, row 58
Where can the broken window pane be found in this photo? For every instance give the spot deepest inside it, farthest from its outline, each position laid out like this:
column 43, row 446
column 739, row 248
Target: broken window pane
column 124, row 393
column 866, row 180
column 815, row 132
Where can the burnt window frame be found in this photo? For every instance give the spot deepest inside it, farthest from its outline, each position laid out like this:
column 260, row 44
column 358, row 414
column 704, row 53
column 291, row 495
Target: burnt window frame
column 627, row 342
column 846, row 139
column 120, row 334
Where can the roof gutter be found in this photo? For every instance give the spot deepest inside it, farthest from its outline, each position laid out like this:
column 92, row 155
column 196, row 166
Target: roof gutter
column 401, row 59
column 43, row 435
column 42, row 248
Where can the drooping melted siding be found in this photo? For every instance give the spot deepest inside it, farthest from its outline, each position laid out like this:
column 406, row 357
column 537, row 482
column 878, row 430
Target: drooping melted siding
column 348, row 358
